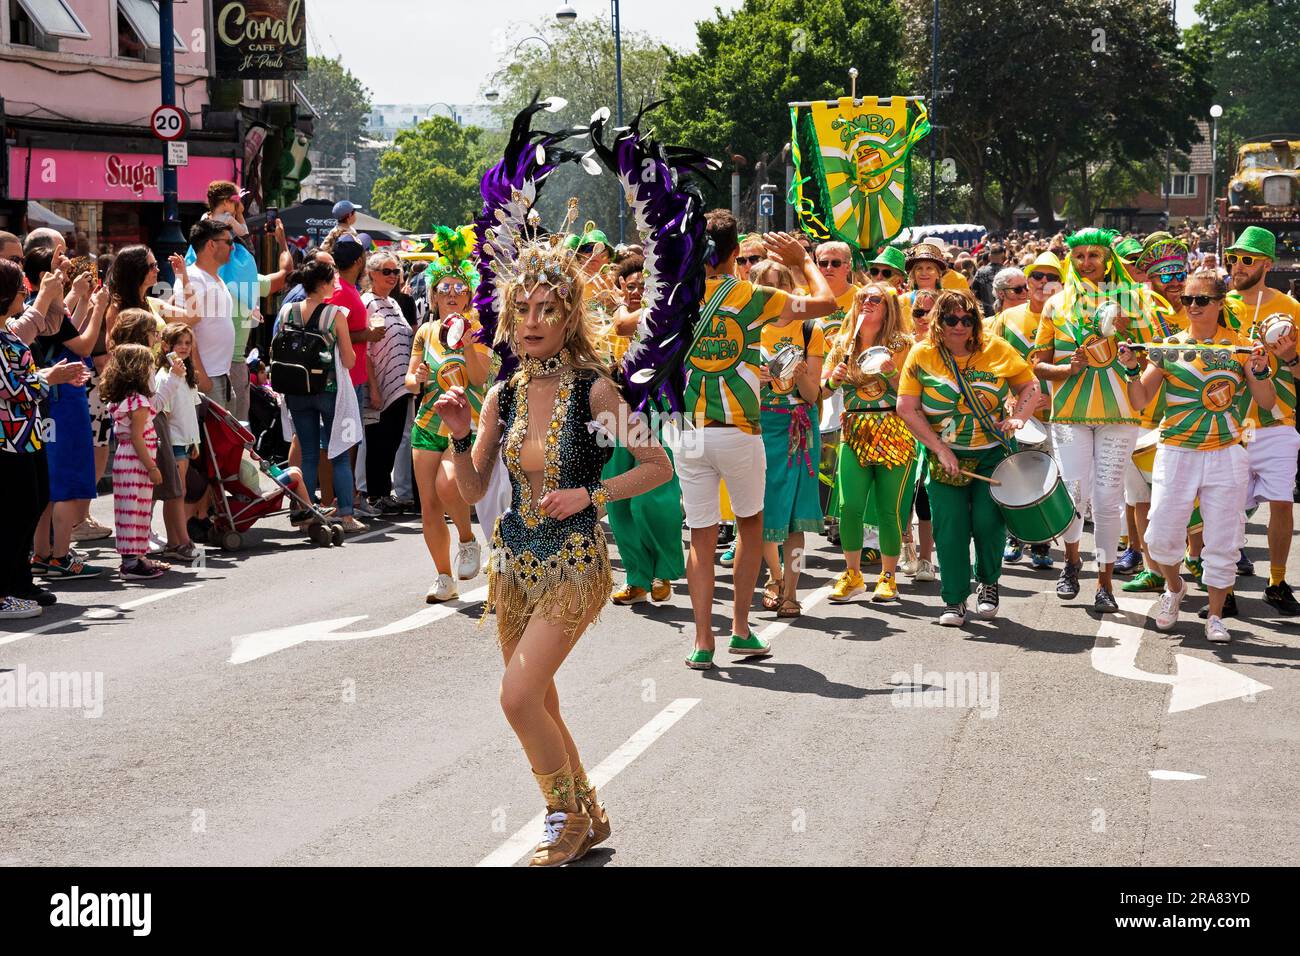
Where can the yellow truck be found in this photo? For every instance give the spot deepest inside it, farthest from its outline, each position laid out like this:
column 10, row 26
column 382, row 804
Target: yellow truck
column 1265, row 191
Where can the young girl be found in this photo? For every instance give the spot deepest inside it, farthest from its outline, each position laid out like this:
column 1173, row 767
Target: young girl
column 128, row 390
column 182, row 412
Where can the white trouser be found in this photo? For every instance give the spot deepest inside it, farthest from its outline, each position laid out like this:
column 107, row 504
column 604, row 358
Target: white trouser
column 1218, row 478
column 1092, row 459
column 1272, row 464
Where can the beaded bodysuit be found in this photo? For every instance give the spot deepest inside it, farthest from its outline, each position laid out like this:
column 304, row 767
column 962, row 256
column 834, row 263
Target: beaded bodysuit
column 538, row 564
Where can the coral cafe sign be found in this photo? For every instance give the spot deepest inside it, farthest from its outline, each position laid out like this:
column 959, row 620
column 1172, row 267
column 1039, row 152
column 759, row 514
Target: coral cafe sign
column 260, row 38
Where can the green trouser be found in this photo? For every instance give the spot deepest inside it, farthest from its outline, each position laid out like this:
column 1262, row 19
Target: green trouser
column 964, row 514
column 882, row 492
column 647, row 528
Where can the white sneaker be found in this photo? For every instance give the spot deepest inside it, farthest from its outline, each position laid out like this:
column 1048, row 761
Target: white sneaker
column 924, row 571
column 443, row 589
column 1215, row 632
column 908, row 564
column 13, row 609
column 954, row 615
column 1167, row 609
column 363, row 508
column 469, row 560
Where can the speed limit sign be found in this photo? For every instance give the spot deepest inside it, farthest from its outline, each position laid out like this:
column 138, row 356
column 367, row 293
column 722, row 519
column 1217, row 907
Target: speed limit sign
column 168, row 122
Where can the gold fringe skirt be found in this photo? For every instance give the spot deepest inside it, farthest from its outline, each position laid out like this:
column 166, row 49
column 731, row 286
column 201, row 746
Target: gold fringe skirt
column 568, row 588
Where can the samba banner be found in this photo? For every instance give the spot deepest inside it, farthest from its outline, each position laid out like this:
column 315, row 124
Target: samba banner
column 852, row 179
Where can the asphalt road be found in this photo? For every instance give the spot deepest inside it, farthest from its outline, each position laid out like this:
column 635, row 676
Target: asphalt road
column 304, row 706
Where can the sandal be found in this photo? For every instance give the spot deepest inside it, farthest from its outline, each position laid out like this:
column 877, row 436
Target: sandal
column 144, row 569
column 789, row 608
column 772, row 594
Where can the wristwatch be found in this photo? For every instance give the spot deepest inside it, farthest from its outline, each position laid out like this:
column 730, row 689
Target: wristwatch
column 1292, row 363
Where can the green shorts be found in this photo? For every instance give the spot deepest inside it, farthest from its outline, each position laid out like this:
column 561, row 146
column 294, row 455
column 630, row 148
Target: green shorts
column 427, row 440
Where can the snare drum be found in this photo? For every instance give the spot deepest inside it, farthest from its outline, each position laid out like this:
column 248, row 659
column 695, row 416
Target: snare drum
column 1033, row 499
column 1144, row 452
column 874, row 359
column 1032, row 434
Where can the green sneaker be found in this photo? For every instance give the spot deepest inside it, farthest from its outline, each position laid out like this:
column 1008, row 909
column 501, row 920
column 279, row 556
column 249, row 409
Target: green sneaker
column 71, row 567
column 1144, row 581
column 1197, row 567
column 870, row 555
column 750, row 646
column 700, row 660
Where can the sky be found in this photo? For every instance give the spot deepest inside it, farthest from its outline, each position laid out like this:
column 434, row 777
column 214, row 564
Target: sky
column 423, row 51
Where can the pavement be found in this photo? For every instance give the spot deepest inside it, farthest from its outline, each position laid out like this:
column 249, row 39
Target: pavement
column 296, row 705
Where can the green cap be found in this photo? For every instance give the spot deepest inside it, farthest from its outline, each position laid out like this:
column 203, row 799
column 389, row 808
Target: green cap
column 1255, row 240
column 891, row 258
column 1128, row 248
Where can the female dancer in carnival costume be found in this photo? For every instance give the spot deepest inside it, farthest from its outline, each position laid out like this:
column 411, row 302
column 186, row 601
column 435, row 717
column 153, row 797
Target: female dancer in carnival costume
column 548, row 570
column 444, row 354
column 952, row 386
column 876, row 467
column 1094, row 424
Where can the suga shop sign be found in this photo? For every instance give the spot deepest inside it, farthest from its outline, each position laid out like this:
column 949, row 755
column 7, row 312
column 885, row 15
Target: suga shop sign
column 137, row 174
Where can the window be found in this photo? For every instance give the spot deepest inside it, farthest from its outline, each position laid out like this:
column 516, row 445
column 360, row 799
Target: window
column 140, row 20
column 54, row 18
column 1182, row 186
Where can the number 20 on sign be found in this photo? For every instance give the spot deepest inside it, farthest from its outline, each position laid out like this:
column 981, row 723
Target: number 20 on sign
column 169, row 122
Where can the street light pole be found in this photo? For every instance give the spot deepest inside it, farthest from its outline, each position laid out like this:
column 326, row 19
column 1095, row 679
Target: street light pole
column 170, row 239
column 934, row 88
column 1215, row 112
column 618, row 82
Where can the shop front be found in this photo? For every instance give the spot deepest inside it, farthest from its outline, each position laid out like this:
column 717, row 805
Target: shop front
column 113, row 198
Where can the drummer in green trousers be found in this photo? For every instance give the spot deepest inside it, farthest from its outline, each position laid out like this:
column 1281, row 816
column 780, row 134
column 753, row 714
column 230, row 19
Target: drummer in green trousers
column 954, row 385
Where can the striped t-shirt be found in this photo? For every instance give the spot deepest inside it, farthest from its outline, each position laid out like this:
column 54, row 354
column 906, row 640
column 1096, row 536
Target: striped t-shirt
column 390, row 356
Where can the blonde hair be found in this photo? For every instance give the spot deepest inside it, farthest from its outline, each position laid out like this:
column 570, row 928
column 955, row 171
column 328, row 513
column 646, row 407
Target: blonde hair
column 133, row 326
column 894, row 328
column 580, row 326
column 947, row 302
column 784, row 277
column 130, row 369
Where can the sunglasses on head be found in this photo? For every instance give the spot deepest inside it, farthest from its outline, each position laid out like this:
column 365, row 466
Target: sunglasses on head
column 954, row 319
column 830, row 263
column 1232, row 259
column 1201, row 301
column 389, row 272
column 443, row 288
column 1041, row 276
column 1169, row 277
column 749, row 260
column 881, row 273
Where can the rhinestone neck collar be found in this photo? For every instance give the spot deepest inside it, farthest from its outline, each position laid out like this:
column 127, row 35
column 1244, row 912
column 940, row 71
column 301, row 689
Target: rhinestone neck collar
column 543, row 368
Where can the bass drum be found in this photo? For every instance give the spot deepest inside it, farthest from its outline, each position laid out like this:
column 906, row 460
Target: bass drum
column 1032, row 497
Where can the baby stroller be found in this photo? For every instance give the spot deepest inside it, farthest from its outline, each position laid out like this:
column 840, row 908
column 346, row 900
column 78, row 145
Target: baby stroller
column 248, row 488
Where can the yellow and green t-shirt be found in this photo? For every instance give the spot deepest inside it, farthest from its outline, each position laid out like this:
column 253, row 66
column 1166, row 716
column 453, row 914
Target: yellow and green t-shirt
column 843, row 306
column 990, row 374
column 1098, row 394
column 447, row 368
column 777, row 337
column 722, row 369
column 1203, row 398
column 1283, row 377
column 1020, row 329
column 868, row 393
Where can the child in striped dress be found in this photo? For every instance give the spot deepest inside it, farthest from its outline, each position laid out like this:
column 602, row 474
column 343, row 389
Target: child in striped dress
column 128, row 387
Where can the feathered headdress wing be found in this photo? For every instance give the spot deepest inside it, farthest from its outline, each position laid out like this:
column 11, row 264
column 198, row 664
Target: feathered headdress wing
column 508, row 222
column 669, row 212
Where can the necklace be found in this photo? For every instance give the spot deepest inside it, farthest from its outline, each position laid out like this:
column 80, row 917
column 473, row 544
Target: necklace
column 541, row 368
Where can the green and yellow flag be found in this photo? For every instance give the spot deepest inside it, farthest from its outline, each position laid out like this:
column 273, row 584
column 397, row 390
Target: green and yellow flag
column 852, row 179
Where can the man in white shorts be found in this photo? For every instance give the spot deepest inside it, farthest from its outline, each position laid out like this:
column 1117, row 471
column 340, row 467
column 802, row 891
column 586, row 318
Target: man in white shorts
column 721, row 440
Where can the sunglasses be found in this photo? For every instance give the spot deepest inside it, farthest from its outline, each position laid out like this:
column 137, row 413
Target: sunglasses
column 16, row 260
column 874, row 299
column 880, row 273
column 749, row 260
column 830, row 263
column 152, row 264
column 1201, row 301
column 1169, row 277
column 444, row 288
column 1016, row 289
column 389, row 272
column 919, row 313
column 953, row 320
column 1041, row 276
column 1232, row 259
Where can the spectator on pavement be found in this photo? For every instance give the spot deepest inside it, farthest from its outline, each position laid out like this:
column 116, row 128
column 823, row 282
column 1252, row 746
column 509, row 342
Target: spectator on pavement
column 388, row 403
column 208, row 305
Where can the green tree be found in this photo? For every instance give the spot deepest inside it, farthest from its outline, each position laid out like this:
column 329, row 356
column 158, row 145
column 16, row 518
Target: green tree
column 728, row 98
column 579, row 66
column 431, row 176
column 1035, row 91
column 341, row 102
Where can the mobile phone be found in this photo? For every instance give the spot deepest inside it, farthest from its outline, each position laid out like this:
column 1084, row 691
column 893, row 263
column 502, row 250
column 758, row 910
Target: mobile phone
column 171, row 358
column 272, row 214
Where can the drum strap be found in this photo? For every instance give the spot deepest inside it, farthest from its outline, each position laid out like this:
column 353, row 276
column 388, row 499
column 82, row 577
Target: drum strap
column 981, row 413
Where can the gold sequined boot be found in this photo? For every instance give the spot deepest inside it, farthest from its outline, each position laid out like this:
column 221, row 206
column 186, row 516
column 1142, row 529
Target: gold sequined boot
column 567, row 826
column 592, row 806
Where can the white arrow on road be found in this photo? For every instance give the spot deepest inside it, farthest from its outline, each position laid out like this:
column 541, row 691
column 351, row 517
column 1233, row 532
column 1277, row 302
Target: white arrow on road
column 1195, row 682
column 249, row 647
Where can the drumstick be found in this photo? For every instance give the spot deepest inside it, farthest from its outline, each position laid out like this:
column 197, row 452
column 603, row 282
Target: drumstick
column 971, row 474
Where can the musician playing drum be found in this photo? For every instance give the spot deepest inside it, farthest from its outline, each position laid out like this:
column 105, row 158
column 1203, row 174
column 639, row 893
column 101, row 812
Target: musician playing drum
column 876, row 466
column 955, row 383
column 1200, row 452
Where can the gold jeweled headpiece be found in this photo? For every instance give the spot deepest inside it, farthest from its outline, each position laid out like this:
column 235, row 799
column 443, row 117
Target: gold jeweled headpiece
column 519, row 255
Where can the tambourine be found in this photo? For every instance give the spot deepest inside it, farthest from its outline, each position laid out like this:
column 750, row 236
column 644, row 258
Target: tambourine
column 451, row 333
column 1189, row 351
column 1273, row 327
column 781, row 365
column 872, row 361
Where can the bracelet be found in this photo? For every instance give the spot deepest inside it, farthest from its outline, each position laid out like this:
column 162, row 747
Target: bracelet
column 599, row 496
column 1264, row 375
column 462, row 445
column 1133, row 372
column 1293, row 362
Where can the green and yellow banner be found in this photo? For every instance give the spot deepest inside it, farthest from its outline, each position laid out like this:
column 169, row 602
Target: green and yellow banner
column 852, row 179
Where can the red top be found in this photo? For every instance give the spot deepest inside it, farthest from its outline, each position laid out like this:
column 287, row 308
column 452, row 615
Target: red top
column 348, row 298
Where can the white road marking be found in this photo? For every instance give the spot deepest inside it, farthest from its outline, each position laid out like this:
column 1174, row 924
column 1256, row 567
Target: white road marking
column 249, row 647
column 1195, row 682
column 388, row 526
column 100, row 613
column 525, row 839
column 1173, row 775
column 779, row 625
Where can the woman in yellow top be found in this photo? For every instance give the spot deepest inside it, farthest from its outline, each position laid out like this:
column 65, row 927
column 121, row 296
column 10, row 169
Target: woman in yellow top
column 875, row 470
column 436, row 366
column 1200, row 453
column 953, row 386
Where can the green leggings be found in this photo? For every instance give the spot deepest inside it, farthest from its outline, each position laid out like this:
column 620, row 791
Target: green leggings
column 647, row 528
column 961, row 515
column 881, row 491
